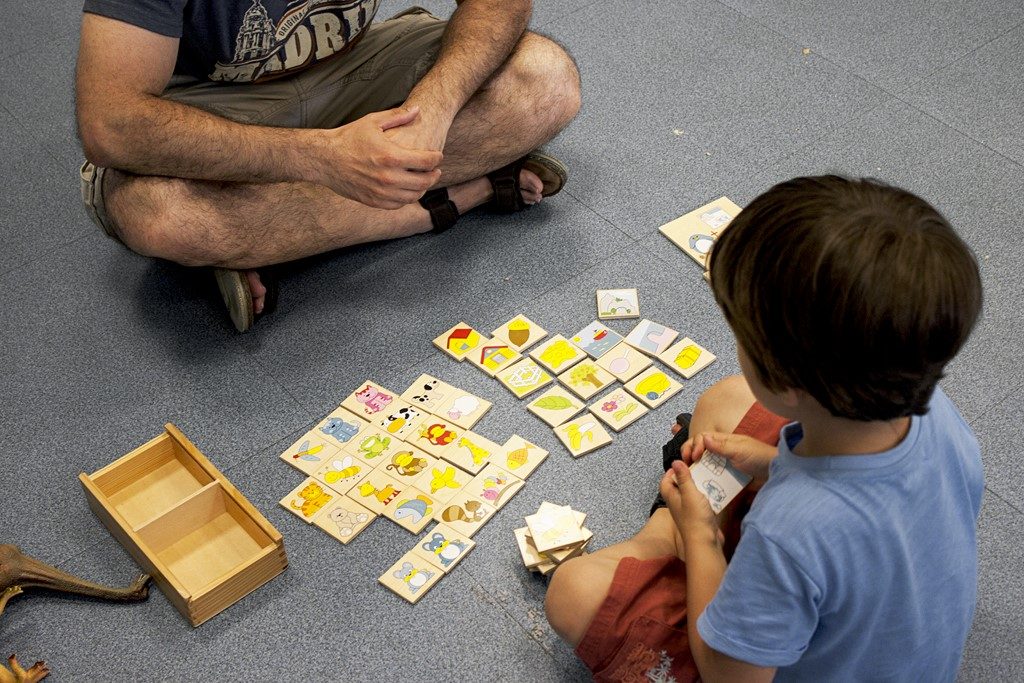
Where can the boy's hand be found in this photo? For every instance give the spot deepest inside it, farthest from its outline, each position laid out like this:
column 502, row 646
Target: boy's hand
column 689, row 507
column 745, row 453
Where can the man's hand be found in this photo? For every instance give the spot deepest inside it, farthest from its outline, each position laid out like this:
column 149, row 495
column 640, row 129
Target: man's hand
column 361, row 162
column 427, row 131
column 745, row 453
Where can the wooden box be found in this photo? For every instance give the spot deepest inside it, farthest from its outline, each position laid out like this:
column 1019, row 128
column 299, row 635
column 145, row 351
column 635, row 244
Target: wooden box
column 205, row 545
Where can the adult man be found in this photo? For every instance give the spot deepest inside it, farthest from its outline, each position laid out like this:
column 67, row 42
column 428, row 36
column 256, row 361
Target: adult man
column 252, row 132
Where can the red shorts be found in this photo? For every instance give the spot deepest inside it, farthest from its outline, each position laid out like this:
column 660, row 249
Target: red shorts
column 639, row 632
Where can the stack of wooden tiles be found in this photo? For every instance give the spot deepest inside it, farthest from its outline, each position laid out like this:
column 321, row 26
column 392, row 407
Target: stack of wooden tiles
column 554, row 534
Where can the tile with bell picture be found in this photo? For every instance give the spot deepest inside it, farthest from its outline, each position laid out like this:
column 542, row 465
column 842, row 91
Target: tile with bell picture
column 555, row 406
column 583, row 435
column 653, row 386
column 368, row 400
column 492, row 355
column 413, row 510
column 344, row 518
column 494, row 485
column 520, row 332
column 464, row 513
column 444, row 547
column 618, row 409
column 411, row 577
column 624, row 362
column 525, row 377
column 310, row 452
column 596, row 339
column 520, row 457
column 650, row 337
column 442, row 481
column 471, row 452
column 463, row 409
column 458, row 341
column 557, row 354
column 428, row 392
column 687, row 357
column 586, row 379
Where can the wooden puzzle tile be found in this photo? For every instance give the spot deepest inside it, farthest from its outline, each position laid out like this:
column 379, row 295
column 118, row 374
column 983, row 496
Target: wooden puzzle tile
column 471, row 452
column 578, row 515
column 463, row 409
column 596, row 339
column 613, row 304
column 411, row 577
column 695, row 233
column 586, row 379
column 555, row 406
column 464, row 513
column 444, row 547
column 340, row 427
column 572, row 551
column 307, row 499
column 434, row 435
column 310, row 452
column 624, row 362
column 582, row 435
column 653, row 386
column 342, row 473
column 458, row 341
column 618, row 409
column 400, row 420
column 407, row 464
column 527, row 550
column 650, row 337
column 687, row 357
column 525, row 377
column 369, row 400
column 442, row 481
column 554, row 529
column 520, row 332
column 344, row 518
column 376, row 490
column 520, row 457
column 492, row 355
column 428, row 392
column 373, row 446
column 718, row 480
column 494, row 486
column 557, row 354
column 413, row 510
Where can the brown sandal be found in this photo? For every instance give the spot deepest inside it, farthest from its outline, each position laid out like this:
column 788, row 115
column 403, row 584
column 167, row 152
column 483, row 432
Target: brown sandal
column 234, row 289
column 508, row 197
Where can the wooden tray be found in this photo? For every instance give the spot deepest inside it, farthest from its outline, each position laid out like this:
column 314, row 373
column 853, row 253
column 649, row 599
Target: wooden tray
column 205, row 545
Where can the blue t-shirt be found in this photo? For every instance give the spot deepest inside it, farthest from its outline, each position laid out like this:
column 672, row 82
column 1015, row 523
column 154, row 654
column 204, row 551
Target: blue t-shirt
column 858, row 567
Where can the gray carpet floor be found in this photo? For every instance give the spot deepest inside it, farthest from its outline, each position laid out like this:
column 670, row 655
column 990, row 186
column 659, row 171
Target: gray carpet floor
column 684, row 101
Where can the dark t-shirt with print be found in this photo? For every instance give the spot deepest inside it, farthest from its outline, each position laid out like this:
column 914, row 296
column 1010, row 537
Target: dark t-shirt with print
column 246, row 40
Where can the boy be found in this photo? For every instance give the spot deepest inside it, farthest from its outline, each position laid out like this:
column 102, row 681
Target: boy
column 857, row 560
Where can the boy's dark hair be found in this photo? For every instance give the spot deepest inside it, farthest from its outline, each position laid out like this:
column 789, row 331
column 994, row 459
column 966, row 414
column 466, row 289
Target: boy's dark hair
column 854, row 291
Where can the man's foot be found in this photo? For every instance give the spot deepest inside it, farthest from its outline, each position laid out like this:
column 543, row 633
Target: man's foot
column 256, row 290
column 245, row 296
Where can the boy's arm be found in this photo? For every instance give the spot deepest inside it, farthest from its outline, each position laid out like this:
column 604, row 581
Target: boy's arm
column 705, row 567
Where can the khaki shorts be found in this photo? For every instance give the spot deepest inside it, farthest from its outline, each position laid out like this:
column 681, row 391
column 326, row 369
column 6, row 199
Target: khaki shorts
column 377, row 73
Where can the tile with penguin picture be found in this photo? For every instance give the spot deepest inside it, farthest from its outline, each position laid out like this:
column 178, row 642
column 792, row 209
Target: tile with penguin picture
column 458, row 341
column 492, row 355
column 696, row 232
column 442, row 481
column 494, row 486
column 557, row 354
column 624, row 362
column 653, row 386
column 687, row 357
column 463, row 409
column 344, row 519
column 307, row 499
column 464, row 513
column 586, row 379
column 369, row 400
column 618, row 409
column 555, row 406
column 340, row 427
column 411, row 577
column 428, row 392
column 310, row 452
column 376, row 490
column 520, row 332
column 596, row 339
column 520, row 457
column 413, row 510
column 444, row 547
column 471, row 452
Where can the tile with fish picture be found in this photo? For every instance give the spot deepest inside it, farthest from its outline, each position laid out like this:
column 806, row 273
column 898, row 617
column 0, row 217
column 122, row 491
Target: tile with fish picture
column 411, row 577
column 492, row 355
column 413, row 510
column 463, row 409
column 401, row 420
column 520, row 332
column 613, row 304
column 444, row 547
column 471, row 452
column 373, row 446
column 464, row 513
column 442, row 481
column 407, row 463
column 525, row 377
column 342, row 473
column 494, row 486
column 555, row 406
column 650, row 337
column 344, row 519
column 458, row 341
column 586, row 379
column 341, row 427
column 434, row 435
column 428, row 392
column 618, row 409
column 310, row 452
column 624, row 362
column 376, row 490
column 653, row 386
column 596, row 339
column 583, row 435
column 557, row 354
column 687, row 357
column 307, row 499
column 520, row 457
column 369, row 400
